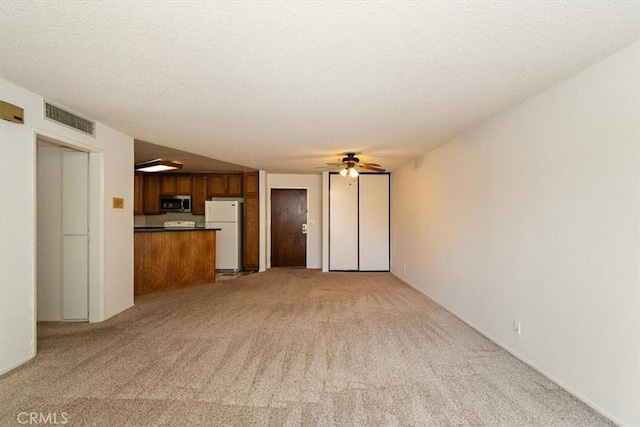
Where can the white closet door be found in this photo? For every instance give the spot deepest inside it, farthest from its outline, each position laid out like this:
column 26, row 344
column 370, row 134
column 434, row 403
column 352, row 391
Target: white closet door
column 343, row 223
column 75, row 230
column 374, row 222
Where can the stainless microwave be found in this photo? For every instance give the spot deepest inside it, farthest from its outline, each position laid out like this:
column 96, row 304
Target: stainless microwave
column 175, row 203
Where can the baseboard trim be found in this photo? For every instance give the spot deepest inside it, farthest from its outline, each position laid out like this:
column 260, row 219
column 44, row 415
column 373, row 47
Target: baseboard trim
column 520, row 357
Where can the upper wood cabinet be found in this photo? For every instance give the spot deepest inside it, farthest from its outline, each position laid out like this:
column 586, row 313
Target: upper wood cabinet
column 225, row 185
column 250, row 184
column 185, row 184
column 217, row 185
column 234, row 185
column 168, row 184
column 149, row 187
column 151, row 194
column 173, row 184
column 199, row 195
column 138, row 193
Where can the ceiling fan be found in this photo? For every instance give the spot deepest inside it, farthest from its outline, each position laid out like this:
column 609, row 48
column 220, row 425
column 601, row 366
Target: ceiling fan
column 350, row 162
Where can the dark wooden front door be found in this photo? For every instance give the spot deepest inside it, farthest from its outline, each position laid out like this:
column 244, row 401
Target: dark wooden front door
column 288, row 213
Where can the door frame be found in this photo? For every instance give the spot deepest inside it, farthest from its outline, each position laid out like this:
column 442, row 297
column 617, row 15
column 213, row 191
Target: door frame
column 268, row 243
column 96, row 222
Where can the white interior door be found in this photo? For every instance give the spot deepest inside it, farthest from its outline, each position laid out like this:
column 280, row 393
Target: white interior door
column 373, row 222
column 75, row 235
column 343, row 223
column 49, row 234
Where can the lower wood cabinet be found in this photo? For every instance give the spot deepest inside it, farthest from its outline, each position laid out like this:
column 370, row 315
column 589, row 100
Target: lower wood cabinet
column 166, row 260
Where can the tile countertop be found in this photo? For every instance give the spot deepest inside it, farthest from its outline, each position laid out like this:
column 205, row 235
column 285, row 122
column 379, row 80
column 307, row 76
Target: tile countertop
column 162, row 229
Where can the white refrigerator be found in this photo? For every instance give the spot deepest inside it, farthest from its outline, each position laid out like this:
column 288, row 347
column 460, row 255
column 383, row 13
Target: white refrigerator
column 227, row 216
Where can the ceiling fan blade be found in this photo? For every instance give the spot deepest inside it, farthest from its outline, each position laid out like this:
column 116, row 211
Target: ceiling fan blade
column 368, row 166
column 334, row 164
column 371, row 164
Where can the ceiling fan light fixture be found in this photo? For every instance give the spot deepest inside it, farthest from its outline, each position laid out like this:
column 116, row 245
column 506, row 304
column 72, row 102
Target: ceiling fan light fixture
column 158, row 165
column 349, row 163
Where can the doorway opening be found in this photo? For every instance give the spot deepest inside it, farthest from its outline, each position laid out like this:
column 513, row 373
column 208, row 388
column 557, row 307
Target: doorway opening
column 67, row 287
column 288, row 227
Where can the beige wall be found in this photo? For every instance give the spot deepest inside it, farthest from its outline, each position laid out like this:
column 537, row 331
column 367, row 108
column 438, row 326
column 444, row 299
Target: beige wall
column 533, row 216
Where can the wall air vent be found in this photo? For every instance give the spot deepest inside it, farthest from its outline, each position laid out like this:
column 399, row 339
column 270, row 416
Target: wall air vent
column 57, row 114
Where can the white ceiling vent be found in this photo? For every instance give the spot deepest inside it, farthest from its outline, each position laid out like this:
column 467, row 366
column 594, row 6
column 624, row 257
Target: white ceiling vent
column 57, row 114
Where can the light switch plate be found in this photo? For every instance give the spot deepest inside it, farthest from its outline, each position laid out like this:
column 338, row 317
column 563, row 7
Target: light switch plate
column 118, row 203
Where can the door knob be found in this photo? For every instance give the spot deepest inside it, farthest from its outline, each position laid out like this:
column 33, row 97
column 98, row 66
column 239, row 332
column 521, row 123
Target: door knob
column 304, row 228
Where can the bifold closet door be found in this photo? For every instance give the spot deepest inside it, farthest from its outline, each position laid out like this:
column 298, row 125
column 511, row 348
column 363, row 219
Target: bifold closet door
column 343, row 223
column 374, row 222
column 75, row 236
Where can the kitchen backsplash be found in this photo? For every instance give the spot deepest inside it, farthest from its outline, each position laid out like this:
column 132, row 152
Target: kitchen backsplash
column 158, row 220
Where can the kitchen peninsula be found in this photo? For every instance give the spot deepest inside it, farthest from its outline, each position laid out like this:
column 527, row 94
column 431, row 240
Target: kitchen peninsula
column 173, row 258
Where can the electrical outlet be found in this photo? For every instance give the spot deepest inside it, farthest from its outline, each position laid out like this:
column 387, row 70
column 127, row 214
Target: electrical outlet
column 517, row 327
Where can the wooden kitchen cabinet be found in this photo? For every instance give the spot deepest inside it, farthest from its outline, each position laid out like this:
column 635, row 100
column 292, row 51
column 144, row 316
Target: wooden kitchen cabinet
column 225, row 185
column 234, row 185
column 185, row 184
column 251, row 225
column 250, row 184
column 176, row 184
column 168, row 184
column 199, row 195
column 156, row 267
column 251, row 233
column 151, row 194
column 149, row 187
column 138, row 193
column 217, row 185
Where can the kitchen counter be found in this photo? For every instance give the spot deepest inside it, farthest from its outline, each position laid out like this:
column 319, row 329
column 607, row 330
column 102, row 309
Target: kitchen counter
column 173, row 258
column 162, row 229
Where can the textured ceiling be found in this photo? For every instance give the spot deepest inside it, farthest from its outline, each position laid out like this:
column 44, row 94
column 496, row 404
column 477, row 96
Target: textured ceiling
column 286, row 86
column 145, row 151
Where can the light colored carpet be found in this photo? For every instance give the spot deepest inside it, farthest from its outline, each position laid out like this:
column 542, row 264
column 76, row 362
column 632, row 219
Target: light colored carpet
column 285, row 347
